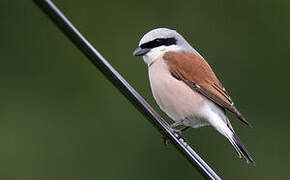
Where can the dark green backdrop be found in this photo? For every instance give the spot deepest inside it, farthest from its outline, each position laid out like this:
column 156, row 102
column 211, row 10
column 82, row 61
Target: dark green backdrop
column 61, row 119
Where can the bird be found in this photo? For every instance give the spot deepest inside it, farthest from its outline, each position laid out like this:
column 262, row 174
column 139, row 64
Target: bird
column 185, row 87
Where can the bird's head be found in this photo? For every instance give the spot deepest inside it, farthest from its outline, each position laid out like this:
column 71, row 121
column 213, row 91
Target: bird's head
column 158, row 41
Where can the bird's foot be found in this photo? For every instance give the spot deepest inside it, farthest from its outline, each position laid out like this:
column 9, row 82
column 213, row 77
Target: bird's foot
column 178, row 133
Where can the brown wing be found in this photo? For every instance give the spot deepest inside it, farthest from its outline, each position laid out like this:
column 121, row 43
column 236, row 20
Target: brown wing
column 198, row 75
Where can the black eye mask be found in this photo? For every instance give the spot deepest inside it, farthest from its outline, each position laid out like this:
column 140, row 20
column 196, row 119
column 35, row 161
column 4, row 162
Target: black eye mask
column 158, row 42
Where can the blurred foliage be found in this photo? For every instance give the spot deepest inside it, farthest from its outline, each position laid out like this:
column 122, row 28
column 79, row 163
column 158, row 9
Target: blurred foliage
column 61, row 119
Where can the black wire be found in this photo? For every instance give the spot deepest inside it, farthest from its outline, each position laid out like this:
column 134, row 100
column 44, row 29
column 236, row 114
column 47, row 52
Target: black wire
column 122, row 85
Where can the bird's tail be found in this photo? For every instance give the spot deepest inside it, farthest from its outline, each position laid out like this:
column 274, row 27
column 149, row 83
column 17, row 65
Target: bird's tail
column 240, row 148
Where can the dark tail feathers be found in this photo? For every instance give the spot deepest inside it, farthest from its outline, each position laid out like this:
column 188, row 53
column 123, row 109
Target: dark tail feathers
column 242, row 149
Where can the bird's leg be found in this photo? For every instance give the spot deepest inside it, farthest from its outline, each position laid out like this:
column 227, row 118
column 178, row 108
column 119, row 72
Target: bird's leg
column 184, row 128
column 177, row 131
column 174, row 125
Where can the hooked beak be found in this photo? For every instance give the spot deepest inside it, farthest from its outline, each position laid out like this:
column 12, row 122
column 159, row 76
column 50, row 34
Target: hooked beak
column 140, row 52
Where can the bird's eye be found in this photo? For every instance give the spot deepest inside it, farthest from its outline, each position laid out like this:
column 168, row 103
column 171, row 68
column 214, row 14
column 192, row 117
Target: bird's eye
column 158, row 42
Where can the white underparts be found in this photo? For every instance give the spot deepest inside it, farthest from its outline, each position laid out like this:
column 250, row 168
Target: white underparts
column 156, row 52
column 174, row 97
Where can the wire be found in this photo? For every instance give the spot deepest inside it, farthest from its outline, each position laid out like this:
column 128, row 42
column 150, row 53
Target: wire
column 124, row 87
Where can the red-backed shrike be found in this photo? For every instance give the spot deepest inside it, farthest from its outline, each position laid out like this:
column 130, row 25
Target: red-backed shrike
column 185, row 87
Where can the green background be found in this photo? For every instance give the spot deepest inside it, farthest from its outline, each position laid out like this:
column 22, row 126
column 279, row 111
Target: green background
column 61, row 119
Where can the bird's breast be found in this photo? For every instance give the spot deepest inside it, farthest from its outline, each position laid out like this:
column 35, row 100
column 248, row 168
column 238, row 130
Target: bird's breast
column 173, row 96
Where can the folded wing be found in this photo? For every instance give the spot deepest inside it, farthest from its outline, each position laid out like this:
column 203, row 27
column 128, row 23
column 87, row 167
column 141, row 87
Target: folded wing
column 193, row 70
